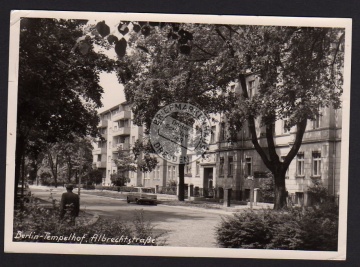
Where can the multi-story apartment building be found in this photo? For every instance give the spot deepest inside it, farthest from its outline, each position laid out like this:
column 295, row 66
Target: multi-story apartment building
column 228, row 165
column 118, row 131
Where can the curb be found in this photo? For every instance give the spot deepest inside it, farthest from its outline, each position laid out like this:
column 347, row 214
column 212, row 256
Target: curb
column 209, row 210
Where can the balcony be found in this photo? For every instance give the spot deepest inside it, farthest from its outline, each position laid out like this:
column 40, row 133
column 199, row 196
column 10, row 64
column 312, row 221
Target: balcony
column 100, row 164
column 122, row 115
column 121, row 131
column 97, row 151
column 103, row 123
column 122, row 146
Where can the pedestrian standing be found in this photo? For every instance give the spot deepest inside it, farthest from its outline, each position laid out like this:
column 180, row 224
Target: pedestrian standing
column 70, row 204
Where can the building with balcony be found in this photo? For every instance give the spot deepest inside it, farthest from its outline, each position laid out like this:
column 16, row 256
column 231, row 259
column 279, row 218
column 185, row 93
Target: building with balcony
column 117, row 132
column 228, row 165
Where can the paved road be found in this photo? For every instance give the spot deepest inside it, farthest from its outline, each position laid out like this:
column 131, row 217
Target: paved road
column 187, row 227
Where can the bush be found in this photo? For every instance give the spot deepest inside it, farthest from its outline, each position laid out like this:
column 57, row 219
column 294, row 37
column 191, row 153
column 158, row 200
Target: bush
column 35, row 220
column 312, row 228
column 88, row 186
column 267, row 190
column 114, row 188
column 169, row 190
column 308, row 228
column 243, row 230
column 109, row 188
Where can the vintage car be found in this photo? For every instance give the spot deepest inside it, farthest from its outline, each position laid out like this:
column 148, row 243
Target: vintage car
column 141, row 195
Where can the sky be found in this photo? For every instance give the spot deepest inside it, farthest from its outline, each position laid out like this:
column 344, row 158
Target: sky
column 113, row 91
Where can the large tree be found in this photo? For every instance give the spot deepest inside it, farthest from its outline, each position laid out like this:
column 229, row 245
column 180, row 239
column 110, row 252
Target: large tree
column 162, row 75
column 300, row 71
column 58, row 90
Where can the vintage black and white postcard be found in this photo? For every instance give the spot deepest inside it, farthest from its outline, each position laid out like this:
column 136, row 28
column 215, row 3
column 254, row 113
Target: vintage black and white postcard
column 178, row 135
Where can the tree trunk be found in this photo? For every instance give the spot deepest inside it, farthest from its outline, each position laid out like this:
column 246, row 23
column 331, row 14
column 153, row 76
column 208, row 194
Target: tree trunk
column 69, row 166
column 280, row 191
column 181, row 196
column 20, row 151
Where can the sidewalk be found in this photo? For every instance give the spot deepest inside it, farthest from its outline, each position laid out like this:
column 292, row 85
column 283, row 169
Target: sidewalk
column 215, row 205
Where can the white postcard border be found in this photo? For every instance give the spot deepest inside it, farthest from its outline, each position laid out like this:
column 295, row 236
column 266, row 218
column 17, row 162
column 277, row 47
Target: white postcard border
column 24, row 247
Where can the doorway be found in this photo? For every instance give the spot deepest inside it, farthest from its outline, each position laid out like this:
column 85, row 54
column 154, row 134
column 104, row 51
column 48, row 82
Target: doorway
column 208, row 182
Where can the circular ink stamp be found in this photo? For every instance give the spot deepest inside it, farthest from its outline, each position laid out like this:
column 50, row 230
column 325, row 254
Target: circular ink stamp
column 180, row 133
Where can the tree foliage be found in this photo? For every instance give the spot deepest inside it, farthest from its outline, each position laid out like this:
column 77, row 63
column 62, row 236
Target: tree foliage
column 299, row 69
column 58, row 89
column 125, row 163
column 68, row 159
column 95, row 176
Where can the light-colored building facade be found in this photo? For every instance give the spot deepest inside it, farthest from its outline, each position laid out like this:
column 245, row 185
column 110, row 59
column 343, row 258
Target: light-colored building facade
column 228, row 165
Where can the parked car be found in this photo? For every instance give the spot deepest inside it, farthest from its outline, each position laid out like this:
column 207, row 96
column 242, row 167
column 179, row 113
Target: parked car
column 141, row 195
column 25, row 195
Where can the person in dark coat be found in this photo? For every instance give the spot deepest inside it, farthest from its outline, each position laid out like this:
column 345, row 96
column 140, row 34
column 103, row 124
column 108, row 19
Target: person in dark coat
column 70, row 204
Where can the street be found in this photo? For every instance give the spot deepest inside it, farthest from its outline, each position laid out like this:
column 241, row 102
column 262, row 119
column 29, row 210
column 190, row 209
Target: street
column 186, row 226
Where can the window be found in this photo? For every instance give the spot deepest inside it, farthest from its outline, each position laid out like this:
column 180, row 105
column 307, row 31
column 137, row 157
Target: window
column 197, row 168
column 299, row 198
column 102, row 144
column 146, row 176
column 174, row 172
column 98, row 157
column 169, row 172
column 287, row 171
column 300, row 164
column 251, row 89
column 248, row 163
column 316, row 122
column 157, row 172
column 212, row 137
column 273, row 128
column 285, row 126
column 221, row 168
column 223, row 132
column 230, row 166
column 188, row 169
column 316, row 157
